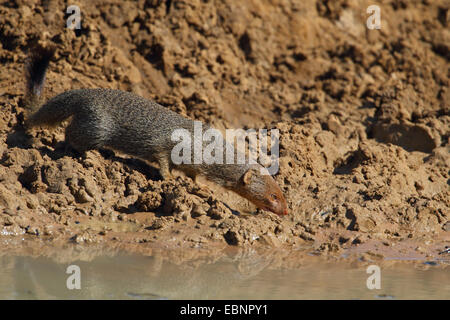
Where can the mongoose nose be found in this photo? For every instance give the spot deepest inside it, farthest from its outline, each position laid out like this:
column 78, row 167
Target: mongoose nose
column 280, row 211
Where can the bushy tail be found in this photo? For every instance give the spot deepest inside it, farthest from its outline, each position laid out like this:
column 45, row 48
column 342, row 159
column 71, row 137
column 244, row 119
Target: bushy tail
column 35, row 70
column 56, row 109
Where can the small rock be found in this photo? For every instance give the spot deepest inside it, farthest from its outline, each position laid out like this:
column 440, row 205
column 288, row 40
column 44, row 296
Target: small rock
column 233, row 238
column 446, row 226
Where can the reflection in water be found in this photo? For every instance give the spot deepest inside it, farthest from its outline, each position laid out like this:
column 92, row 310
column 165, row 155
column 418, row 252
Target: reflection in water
column 250, row 276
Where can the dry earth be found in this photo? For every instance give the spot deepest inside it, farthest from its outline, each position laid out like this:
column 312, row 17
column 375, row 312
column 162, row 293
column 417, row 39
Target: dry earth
column 364, row 120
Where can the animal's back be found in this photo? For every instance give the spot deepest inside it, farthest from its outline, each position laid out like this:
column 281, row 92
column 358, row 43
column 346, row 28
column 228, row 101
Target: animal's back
column 114, row 119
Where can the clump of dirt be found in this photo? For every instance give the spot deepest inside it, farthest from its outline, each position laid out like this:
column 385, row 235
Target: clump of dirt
column 364, row 120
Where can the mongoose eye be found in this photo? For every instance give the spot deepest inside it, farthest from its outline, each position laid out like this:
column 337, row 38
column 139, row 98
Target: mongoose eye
column 274, row 197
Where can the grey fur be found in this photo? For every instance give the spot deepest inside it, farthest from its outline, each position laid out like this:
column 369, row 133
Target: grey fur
column 123, row 121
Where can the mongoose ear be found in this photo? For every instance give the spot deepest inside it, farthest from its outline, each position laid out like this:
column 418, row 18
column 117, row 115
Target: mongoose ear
column 247, row 178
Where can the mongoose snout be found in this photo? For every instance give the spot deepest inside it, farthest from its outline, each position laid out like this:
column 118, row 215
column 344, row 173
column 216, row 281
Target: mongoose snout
column 263, row 191
column 123, row 121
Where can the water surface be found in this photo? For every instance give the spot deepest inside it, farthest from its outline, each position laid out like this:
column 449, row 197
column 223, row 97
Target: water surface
column 254, row 277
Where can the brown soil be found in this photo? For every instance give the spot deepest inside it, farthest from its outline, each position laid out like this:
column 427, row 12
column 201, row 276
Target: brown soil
column 364, row 120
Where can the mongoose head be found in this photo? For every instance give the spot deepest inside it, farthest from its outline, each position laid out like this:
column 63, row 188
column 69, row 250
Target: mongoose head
column 262, row 190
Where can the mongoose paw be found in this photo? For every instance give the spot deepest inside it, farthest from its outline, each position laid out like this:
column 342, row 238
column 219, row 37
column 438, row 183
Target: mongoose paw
column 68, row 149
column 166, row 174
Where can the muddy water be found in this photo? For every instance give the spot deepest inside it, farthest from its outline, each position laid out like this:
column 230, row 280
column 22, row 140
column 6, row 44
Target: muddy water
column 255, row 277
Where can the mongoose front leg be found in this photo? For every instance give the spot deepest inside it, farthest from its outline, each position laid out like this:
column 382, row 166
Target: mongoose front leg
column 193, row 176
column 164, row 168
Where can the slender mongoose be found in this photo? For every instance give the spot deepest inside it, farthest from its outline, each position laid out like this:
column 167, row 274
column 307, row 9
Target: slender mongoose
column 123, row 121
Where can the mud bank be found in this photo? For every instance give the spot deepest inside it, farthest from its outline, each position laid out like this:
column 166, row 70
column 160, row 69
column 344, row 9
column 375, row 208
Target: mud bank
column 364, row 120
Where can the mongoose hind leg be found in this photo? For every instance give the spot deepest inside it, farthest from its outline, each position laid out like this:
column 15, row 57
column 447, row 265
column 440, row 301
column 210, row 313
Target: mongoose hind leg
column 84, row 136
